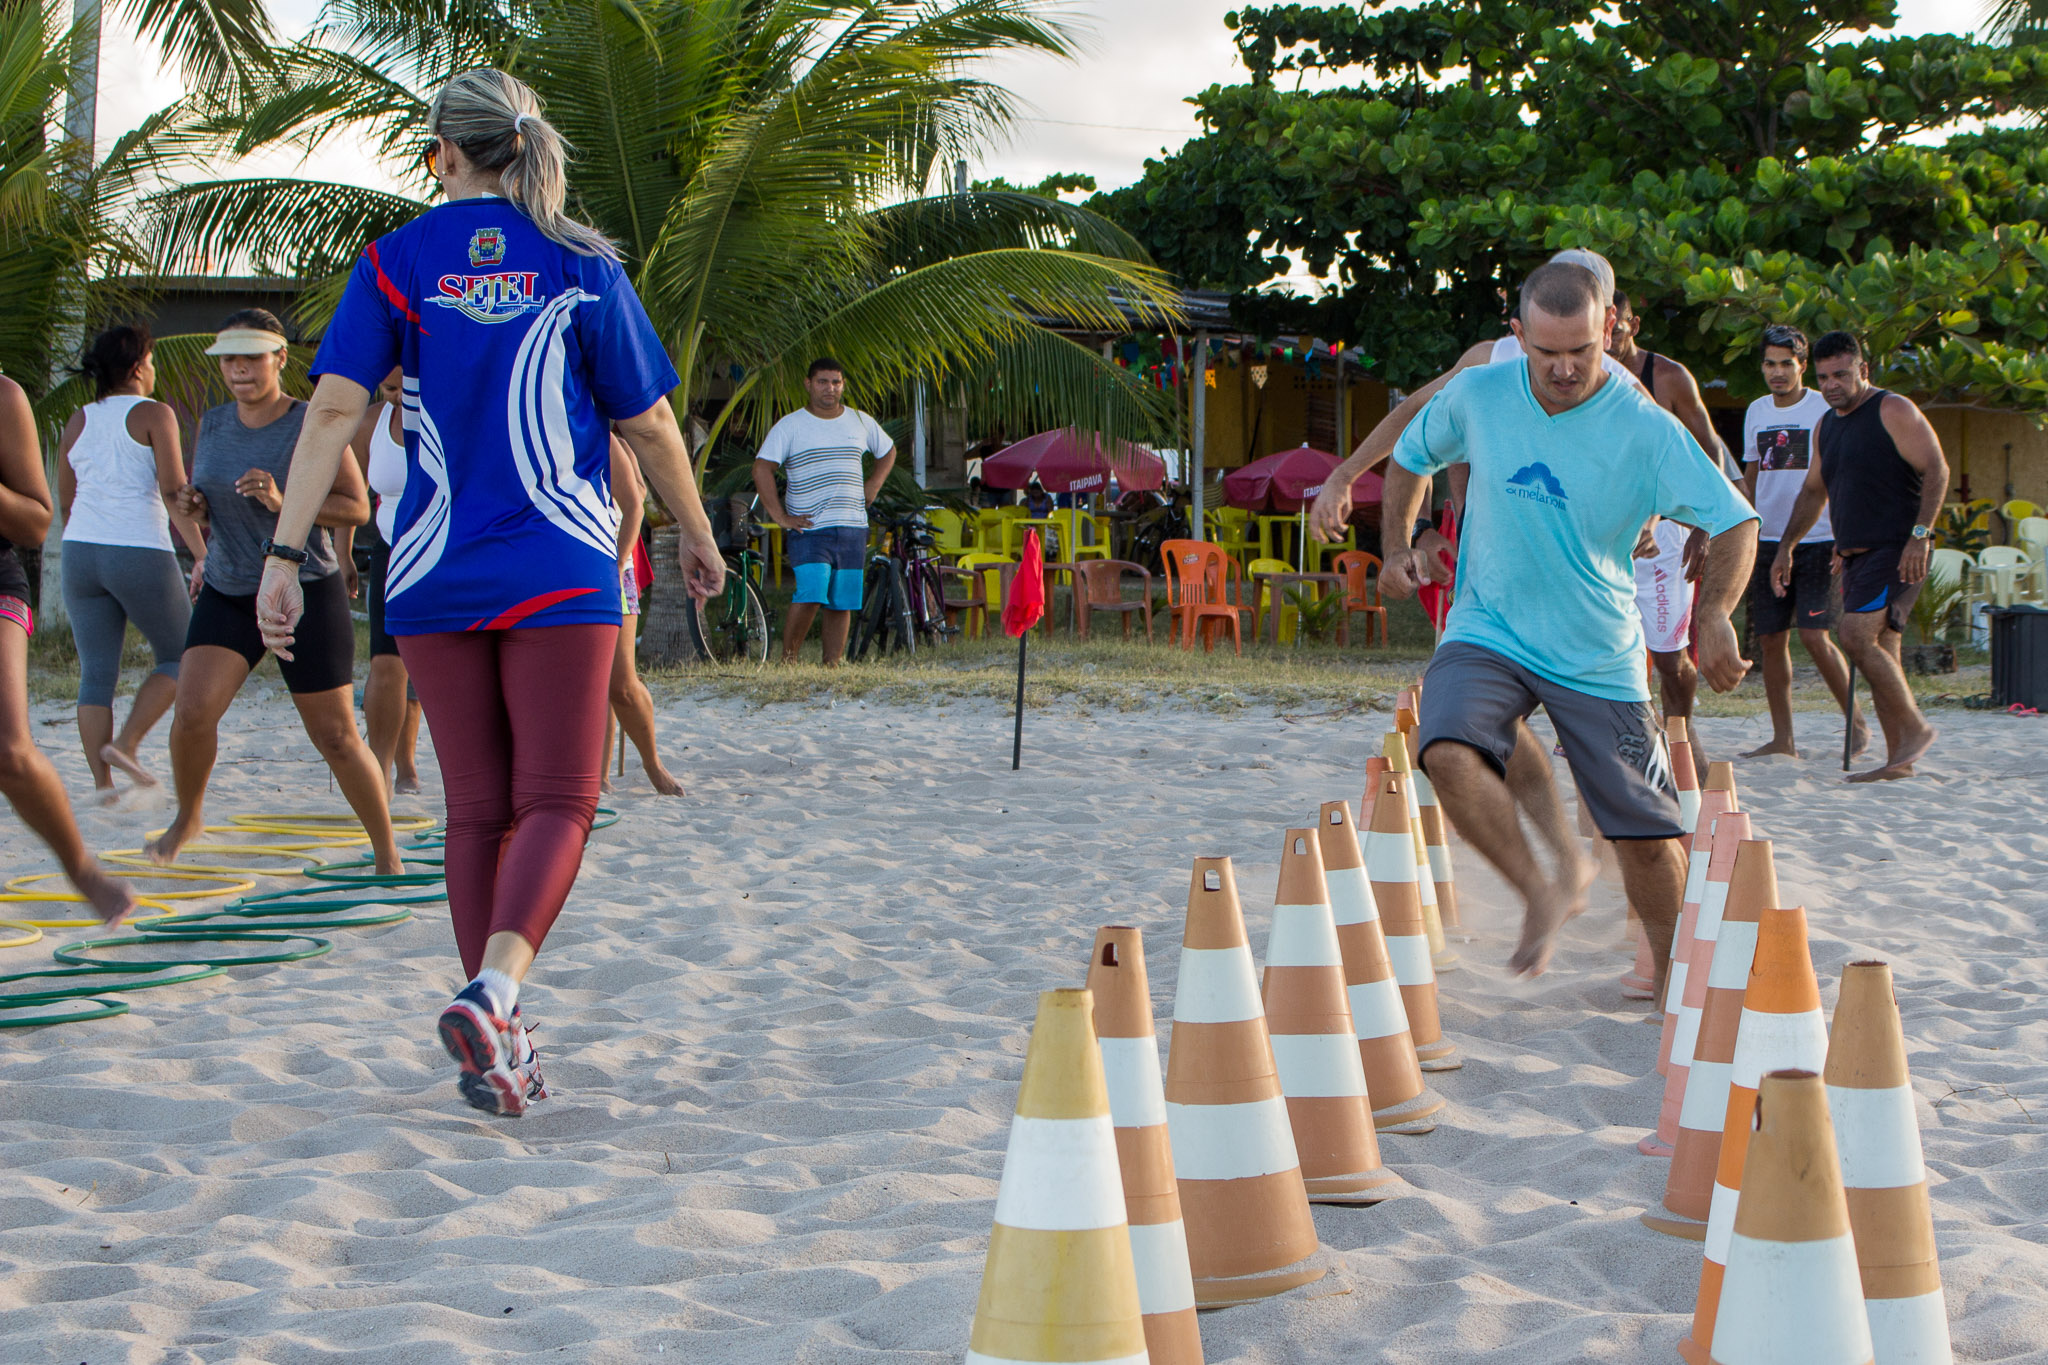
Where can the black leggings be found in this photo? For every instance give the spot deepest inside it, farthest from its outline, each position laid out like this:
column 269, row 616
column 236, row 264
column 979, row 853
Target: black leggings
column 324, row 653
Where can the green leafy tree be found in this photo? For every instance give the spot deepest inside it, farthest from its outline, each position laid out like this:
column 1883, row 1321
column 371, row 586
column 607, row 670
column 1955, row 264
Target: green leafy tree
column 1740, row 161
column 762, row 164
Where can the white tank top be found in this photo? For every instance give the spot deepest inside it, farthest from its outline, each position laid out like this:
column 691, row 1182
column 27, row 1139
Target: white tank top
column 117, row 502
column 387, row 473
column 1509, row 347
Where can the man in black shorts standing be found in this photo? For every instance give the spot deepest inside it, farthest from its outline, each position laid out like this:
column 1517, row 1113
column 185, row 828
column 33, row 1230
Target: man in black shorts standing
column 1882, row 476
column 1777, row 450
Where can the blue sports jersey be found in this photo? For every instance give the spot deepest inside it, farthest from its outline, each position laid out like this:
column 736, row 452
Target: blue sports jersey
column 518, row 353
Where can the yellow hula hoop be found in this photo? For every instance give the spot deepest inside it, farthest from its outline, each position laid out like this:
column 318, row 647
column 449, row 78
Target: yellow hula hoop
column 157, row 908
column 322, row 823
column 136, row 858
column 231, row 886
column 31, row 933
column 300, row 844
column 316, row 838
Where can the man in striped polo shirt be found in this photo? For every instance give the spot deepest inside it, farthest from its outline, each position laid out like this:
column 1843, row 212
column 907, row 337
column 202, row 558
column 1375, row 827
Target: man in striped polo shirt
column 825, row 508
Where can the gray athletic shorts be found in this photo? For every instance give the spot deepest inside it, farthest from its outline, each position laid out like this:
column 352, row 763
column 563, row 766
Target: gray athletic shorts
column 1475, row 697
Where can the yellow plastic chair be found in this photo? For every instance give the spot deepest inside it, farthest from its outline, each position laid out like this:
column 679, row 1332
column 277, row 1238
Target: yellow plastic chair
column 774, row 554
column 1289, row 616
column 989, row 566
column 949, row 532
column 1074, row 546
column 999, row 529
column 1230, row 528
column 2017, row 511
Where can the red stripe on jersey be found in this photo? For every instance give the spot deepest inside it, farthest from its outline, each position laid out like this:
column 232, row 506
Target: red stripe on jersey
column 514, row 615
column 391, row 291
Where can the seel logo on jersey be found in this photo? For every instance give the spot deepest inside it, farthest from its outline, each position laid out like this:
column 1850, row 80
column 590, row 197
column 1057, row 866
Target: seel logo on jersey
column 487, row 247
column 492, row 298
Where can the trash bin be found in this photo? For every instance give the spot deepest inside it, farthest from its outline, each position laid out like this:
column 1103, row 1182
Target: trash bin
column 2019, row 656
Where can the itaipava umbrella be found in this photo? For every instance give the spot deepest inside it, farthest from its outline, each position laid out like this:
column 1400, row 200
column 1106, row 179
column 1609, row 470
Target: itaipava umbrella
column 1288, row 481
column 1071, row 461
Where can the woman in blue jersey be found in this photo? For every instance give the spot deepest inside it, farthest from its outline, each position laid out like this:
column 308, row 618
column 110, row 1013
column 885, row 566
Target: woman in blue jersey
column 523, row 347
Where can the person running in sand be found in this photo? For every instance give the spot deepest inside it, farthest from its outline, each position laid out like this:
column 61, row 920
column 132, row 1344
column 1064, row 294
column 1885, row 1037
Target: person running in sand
column 118, row 474
column 1777, row 451
column 1665, row 577
column 1881, row 475
column 1568, row 464
column 26, row 775
column 632, row 705
column 819, row 448
column 523, row 346
column 239, row 463
column 391, row 711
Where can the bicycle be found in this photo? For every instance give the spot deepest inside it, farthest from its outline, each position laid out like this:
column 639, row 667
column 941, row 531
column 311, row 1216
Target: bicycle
column 902, row 598
column 734, row 626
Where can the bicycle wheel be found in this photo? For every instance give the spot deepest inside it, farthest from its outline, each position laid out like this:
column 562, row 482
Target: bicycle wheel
column 732, row 626
column 928, row 607
column 902, row 627
column 870, row 625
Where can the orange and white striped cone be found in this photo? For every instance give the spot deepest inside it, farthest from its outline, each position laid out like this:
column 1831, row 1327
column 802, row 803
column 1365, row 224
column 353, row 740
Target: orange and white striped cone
column 1314, row 1046
column 1137, row 1107
column 1729, row 831
column 1401, row 1102
column 1714, row 802
column 1791, row 1292
column 1398, row 760
column 1250, row 1235
column 1374, row 766
column 1058, row 1284
column 1703, row 1086
column 1870, row 1099
column 1435, row 841
column 1781, row 1029
column 1390, row 867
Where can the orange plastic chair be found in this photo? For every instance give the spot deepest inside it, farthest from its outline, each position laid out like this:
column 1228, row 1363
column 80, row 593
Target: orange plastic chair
column 1198, row 579
column 1099, row 586
column 1361, row 593
column 971, row 601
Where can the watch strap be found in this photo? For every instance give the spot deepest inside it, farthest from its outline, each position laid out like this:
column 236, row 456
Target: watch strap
column 273, row 550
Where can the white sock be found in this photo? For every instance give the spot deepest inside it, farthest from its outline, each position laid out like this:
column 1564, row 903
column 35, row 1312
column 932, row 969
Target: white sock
column 502, row 989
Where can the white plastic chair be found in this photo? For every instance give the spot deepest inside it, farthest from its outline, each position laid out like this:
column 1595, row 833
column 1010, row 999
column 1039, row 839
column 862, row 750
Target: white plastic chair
column 2005, row 569
column 2032, row 535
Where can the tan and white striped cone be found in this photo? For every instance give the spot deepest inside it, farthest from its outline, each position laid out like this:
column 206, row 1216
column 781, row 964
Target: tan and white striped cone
column 1401, row 1102
column 1314, row 1045
column 1703, row 1101
column 1137, row 1106
column 1059, row 1284
column 1791, row 1293
column 1435, row 841
column 1728, row 831
column 1713, row 802
column 1781, row 1029
column 1870, row 1099
column 1250, row 1235
column 1374, row 766
column 1390, row 867
column 1639, row 981
column 1441, row 957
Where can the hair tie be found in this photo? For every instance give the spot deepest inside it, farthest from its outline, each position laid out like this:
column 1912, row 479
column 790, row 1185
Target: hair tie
column 519, row 122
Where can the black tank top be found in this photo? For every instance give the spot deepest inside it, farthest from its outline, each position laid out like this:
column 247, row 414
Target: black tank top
column 13, row 581
column 1649, row 374
column 1873, row 494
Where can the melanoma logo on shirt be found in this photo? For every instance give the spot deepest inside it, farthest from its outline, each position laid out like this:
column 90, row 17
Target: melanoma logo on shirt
column 491, row 298
column 1538, row 484
column 487, row 247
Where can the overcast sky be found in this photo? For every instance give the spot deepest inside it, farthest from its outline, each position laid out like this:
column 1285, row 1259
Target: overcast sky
column 1124, row 101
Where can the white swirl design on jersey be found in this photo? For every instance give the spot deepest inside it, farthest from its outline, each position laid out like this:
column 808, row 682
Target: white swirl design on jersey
column 537, row 421
column 420, row 545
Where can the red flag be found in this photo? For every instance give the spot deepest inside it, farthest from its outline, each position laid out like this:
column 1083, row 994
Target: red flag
column 1026, row 602
column 1436, row 598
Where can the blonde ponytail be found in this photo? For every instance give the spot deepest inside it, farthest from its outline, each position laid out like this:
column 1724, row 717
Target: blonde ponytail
column 496, row 121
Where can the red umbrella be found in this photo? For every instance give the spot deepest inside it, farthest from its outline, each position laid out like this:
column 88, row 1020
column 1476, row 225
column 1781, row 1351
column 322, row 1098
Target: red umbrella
column 1288, row 480
column 1071, row 461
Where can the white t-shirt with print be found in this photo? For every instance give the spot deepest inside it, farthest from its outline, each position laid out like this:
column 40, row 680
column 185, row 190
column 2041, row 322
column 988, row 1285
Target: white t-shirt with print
column 1779, row 442
column 821, row 460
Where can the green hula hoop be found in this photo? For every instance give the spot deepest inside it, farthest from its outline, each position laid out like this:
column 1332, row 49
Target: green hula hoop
column 188, row 926
column 85, row 1009
column 606, row 818
column 351, row 874
column 75, row 953
column 316, row 897
column 96, row 982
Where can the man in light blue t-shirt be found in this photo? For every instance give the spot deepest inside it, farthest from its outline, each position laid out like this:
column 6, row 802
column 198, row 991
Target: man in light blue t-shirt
column 1567, row 463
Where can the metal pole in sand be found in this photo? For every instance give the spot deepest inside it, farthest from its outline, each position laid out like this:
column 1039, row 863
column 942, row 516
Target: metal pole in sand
column 1848, row 717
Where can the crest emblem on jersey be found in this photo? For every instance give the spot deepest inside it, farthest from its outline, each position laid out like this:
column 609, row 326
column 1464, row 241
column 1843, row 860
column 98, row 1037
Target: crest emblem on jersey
column 487, row 247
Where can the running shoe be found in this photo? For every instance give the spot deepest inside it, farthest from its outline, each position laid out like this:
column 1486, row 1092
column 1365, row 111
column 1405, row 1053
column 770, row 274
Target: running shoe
column 485, row 1047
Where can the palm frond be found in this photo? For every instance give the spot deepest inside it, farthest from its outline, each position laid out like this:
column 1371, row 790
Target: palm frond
column 920, row 231
column 273, row 226
column 220, row 45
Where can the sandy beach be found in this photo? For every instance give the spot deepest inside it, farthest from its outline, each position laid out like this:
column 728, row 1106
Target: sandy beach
column 784, row 1019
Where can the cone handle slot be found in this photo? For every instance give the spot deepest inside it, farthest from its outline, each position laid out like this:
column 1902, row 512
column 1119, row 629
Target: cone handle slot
column 1301, row 848
column 1336, row 817
column 1212, row 881
column 1109, row 955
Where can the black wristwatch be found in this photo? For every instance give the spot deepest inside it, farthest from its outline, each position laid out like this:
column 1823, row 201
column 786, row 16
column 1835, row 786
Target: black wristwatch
column 273, row 550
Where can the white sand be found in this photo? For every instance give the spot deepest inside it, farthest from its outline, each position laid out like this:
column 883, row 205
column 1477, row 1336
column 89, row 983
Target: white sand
column 785, row 1019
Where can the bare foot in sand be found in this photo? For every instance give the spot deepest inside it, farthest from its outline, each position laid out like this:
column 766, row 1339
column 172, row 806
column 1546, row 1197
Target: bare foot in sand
column 604, row 786
column 1541, row 920
column 110, row 899
column 1901, row 763
column 1574, row 884
column 115, row 757
column 163, row 850
column 105, row 796
column 1776, row 747
column 664, row 781
column 406, row 784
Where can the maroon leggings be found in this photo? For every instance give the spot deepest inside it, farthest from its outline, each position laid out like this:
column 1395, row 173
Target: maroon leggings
column 518, row 721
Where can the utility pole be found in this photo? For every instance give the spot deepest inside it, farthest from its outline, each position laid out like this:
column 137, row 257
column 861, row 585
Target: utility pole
column 1195, row 471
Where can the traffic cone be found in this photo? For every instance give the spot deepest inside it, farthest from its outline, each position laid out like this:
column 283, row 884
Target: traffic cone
column 1729, row 831
column 1390, row 867
column 1435, row 842
column 1058, row 1284
column 1791, row 1291
column 1250, row 1235
column 1714, row 802
column 1393, row 1079
column 1687, row 774
column 1137, row 1106
column 1781, row 1028
column 1700, row 1092
column 1374, row 766
column 1870, row 1099
column 1314, row 1045
column 1399, row 760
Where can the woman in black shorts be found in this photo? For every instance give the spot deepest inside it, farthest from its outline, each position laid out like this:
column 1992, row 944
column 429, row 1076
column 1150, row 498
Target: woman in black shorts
column 391, row 711
column 239, row 462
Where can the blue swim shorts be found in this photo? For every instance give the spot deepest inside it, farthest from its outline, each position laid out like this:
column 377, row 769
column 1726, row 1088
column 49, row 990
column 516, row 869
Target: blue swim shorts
column 829, row 562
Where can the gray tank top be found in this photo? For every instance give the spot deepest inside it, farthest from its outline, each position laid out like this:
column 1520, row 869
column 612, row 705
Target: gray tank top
column 238, row 526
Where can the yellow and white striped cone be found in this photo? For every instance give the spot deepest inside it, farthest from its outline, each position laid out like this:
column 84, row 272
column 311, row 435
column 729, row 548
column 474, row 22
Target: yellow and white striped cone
column 1441, row 957
column 1791, row 1296
column 1401, row 1102
column 1390, row 867
column 1059, row 1283
column 1314, row 1045
column 1137, row 1106
column 1250, row 1234
column 1782, row 1028
column 1870, row 1099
